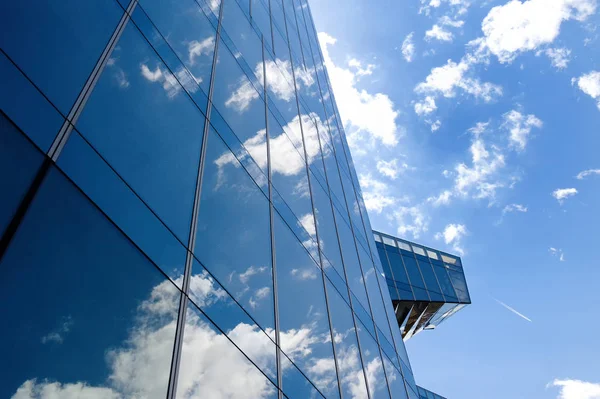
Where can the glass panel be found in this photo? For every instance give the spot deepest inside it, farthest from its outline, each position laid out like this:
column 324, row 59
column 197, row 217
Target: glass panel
column 111, row 330
column 233, row 240
column 46, row 42
column 432, row 254
column 241, row 106
column 111, row 194
column 19, row 163
column 346, row 347
column 389, row 241
column 188, row 31
column 238, row 28
column 404, row 246
column 449, row 259
column 295, row 384
column 445, row 283
column 416, row 280
column 395, row 381
column 153, row 135
column 429, row 276
column 377, row 237
column 418, row 250
column 26, row 107
column 305, row 335
column 211, row 367
column 372, row 364
column 460, row 285
column 400, row 276
column 260, row 16
column 389, row 276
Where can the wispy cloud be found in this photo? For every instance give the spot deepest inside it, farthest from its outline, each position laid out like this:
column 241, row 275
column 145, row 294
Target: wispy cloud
column 585, row 173
column 408, row 47
column 514, row 208
column 558, row 253
column 561, row 194
column 513, row 310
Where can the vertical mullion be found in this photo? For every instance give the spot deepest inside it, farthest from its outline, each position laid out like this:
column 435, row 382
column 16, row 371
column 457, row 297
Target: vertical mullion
column 271, row 230
column 183, row 303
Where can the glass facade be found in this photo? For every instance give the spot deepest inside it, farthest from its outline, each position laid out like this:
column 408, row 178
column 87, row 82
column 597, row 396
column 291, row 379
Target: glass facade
column 426, row 394
column 180, row 216
column 426, row 285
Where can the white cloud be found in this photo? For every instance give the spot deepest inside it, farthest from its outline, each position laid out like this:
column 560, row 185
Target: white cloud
column 558, row 253
column 445, row 80
column 585, row 173
column 590, row 85
column 171, row 84
column 57, row 336
column 375, row 194
column 426, row 106
column 514, row 208
column 251, row 271
column 435, row 126
column 393, row 168
column 361, row 111
column 408, row 47
column 453, row 235
column 305, row 274
column 438, row 32
column 577, row 389
column 308, row 222
column 562, row 194
column 442, row 199
column 560, row 57
column 360, row 71
column 517, row 27
column 519, row 126
column 197, row 49
column 410, row 219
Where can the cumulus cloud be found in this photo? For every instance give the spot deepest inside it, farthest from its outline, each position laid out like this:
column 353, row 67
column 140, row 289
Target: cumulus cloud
column 453, row 235
column 375, row 194
column 576, row 389
column 557, row 252
column 408, row 47
column 561, row 194
column 585, row 173
column 361, row 111
column 520, row 126
column 197, row 49
column 392, row 168
column 590, row 85
column 517, row 27
column 442, row 199
column 426, row 106
column 57, row 336
column 440, row 31
column 446, row 80
column 559, row 57
column 410, row 219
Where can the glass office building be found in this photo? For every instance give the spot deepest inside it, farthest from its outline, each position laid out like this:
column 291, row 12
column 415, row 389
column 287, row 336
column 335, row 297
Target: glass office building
column 180, row 216
column 426, row 286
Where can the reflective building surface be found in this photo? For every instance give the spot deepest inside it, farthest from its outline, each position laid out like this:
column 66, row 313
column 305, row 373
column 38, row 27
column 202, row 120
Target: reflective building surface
column 426, row 286
column 426, row 394
column 180, row 216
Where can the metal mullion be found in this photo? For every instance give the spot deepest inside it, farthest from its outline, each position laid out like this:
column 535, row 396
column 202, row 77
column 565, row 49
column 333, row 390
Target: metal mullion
column 271, row 229
column 312, row 204
column 272, row 34
column 298, row 33
column 181, row 317
column 67, row 128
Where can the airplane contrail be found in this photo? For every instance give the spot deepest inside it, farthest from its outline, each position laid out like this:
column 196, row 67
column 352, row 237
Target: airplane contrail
column 513, row 310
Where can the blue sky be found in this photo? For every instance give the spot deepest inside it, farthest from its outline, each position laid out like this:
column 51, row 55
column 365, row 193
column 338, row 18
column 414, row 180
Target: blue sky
column 474, row 129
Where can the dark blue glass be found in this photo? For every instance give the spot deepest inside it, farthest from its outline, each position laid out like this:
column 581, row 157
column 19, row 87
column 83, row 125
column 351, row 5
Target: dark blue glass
column 147, row 129
column 233, row 232
column 105, row 316
column 430, row 279
column 58, row 43
column 445, row 283
column 19, row 162
column 400, row 276
column 27, row 108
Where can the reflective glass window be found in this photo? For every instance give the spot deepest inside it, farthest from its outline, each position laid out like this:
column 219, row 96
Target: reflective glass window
column 305, row 335
column 26, row 107
column 105, row 317
column 260, row 16
column 389, row 276
column 351, row 264
column 244, row 37
column 460, row 285
column 389, row 241
column 395, row 381
column 99, row 182
column 429, row 276
column 282, row 95
column 432, row 254
column 400, row 276
column 57, row 43
column 295, row 384
column 212, row 367
column 147, row 129
column 241, row 106
column 404, row 246
column 416, row 280
column 445, row 283
column 346, row 346
column 372, row 363
column 23, row 160
column 233, row 239
column 188, row 31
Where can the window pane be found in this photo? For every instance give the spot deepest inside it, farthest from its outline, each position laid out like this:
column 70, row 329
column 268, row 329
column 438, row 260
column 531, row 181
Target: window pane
column 400, row 276
column 211, row 367
column 428, row 275
column 346, row 346
column 105, row 317
column 373, row 364
column 305, row 335
column 244, row 37
column 57, row 43
column 23, row 160
column 147, row 129
column 233, row 240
